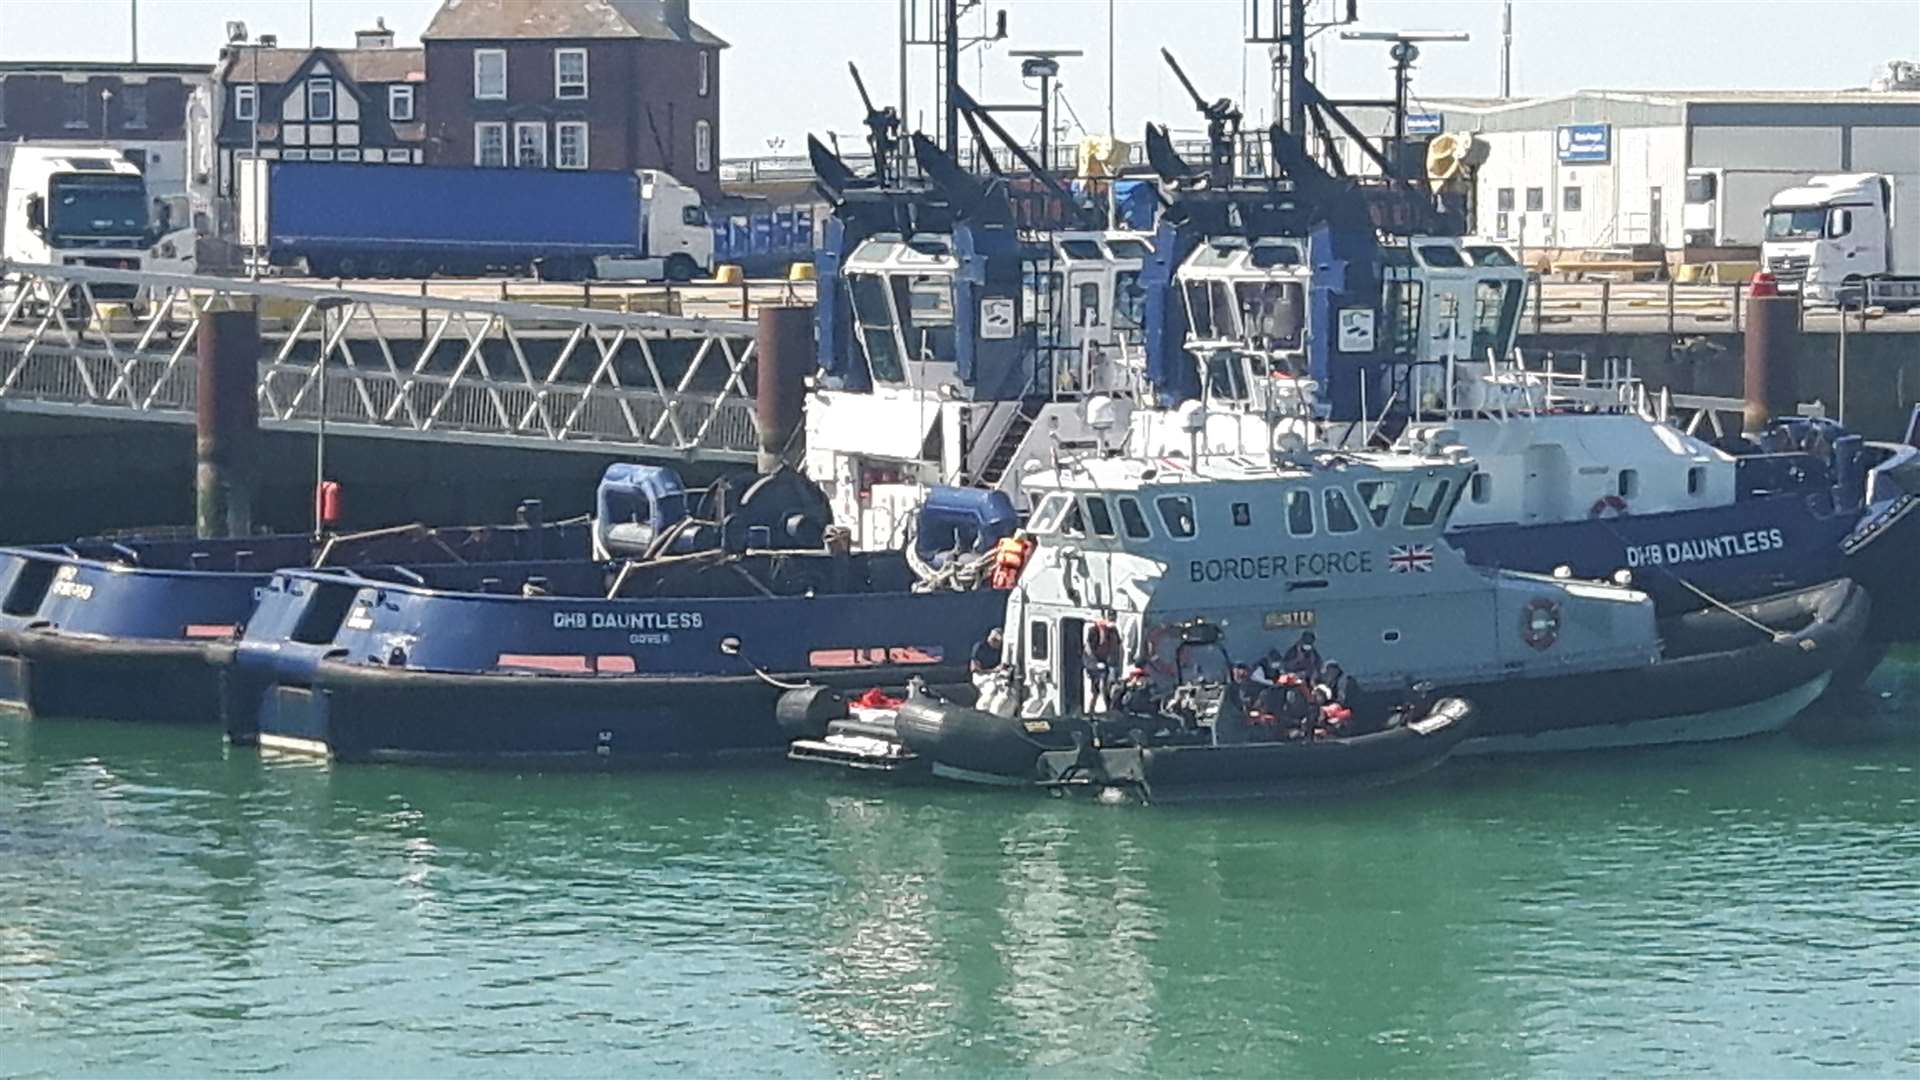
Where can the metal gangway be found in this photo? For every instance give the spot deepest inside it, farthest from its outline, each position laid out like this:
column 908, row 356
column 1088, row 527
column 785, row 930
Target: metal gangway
column 104, row 343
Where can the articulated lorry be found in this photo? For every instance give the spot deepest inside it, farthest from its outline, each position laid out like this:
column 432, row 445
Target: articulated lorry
column 1847, row 239
column 77, row 206
column 357, row 220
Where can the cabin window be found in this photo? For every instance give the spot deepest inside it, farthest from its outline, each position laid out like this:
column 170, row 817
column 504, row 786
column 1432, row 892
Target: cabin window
column 1099, row 516
column 1199, row 309
column 1242, row 514
column 1075, row 523
column 1429, row 499
column 1274, row 313
column 1132, row 519
column 1300, row 512
column 1496, row 311
column 1402, row 305
column 1226, row 379
column 1037, row 640
column 925, row 302
column 1176, row 513
column 1087, row 250
column 1377, row 497
column 1124, row 248
column 1129, row 300
column 1340, row 518
column 1047, row 517
column 1696, row 480
column 876, row 325
column 1627, row 483
column 1481, row 487
column 1089, row 305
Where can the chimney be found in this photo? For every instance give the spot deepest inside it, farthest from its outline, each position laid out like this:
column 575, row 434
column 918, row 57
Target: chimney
column 677, row 18
column 377, row 38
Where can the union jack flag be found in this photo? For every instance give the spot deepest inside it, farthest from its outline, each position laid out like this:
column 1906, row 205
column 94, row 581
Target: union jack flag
column 1410, row 558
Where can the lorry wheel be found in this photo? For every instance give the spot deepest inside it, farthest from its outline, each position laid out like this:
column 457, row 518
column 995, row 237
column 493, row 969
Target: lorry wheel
column 347, row 267
column 681, row 267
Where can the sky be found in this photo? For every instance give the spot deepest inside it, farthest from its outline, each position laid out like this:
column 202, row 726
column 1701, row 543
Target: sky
column 785, row 75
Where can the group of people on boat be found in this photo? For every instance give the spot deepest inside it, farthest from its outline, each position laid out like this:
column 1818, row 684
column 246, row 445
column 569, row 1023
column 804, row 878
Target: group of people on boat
column 1296, row 694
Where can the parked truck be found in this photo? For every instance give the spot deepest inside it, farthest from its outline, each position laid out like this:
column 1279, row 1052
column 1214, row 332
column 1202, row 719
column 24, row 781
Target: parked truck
column 359, row 220
column 77, row 206
column 1847, row 239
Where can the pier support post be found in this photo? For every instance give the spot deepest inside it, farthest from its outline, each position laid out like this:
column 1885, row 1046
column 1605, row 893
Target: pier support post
column 227, row 432
column 1772, row 350
column 783, row 352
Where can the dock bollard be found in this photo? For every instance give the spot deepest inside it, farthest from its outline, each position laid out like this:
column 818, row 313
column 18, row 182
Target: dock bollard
column 783, row 351
column 1771, row 351
column 226, row 422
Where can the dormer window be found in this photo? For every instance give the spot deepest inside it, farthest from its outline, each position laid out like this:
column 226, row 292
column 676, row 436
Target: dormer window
column 319, row 99
column 400, row 103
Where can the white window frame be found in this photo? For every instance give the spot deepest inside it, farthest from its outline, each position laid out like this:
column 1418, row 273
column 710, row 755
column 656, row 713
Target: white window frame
column 479, row 91
column 396, row 95
column 322, row 82
column 705, row 79
column 702, row 146
column 561, row 87
column 560, row 131
column 479, row 144
column 246, row 102
column 536, row 127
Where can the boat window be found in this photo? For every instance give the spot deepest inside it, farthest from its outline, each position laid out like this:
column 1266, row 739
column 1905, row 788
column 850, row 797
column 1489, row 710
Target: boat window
column 1429, row 499
column 1496, row 312
column 1242, row 514
column 1266, row 255
column 1629, row 483
column 1176, row 513
column 1199, row 309
column 1132, row 519
column 1099, row 516
column 1037, row 640
column 1088, row 308
column 1397, row 257
column 1226, row 380
column 926, row 314
column 1274, row 313
column 1377, row 497
column 1403, row 310
column 1442, row 255
column 1493, row 254
column 1074, row 524
column 1446, row 321
column 1129, row 301
column 1127, row 248
column 1047, row 518
column 876, row 327
column 1482, row 487
column 1081, row 249
column 1300, row 512
column 1696, row 480
column 1340, row 517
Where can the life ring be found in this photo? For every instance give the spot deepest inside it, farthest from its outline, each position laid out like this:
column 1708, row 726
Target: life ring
column 1608, row 506
column 1540, row 623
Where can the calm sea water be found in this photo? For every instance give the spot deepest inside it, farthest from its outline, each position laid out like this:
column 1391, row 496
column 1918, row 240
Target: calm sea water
column 169, row 906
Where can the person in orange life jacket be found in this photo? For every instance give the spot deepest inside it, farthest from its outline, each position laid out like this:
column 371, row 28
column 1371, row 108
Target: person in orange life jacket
column 1009, row 556
column 1303, row 658
column 1102, row 660
column 986, row 653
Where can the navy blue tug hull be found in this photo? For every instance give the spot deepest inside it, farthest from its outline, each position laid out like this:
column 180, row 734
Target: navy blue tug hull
column 363, row 713
column 48, row 674
column 1751, row 548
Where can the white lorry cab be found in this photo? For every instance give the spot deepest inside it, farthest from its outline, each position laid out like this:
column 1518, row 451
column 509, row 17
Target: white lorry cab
column 77, row 206
column 673, row 227
column 1847, row 239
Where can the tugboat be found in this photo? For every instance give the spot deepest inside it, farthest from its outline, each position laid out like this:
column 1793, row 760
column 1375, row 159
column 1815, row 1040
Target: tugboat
column 676, row 647
column 1315, row 549
column 128, row 628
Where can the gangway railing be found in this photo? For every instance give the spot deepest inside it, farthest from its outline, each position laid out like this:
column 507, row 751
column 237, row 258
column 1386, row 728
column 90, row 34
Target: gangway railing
column 118, row 343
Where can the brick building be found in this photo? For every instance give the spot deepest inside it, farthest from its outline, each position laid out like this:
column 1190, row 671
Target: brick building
column 355, row 105
column 574, row 84
column 141, row 108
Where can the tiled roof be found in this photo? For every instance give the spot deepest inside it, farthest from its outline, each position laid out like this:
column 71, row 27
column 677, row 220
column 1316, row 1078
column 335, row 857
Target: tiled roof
column 501, row 20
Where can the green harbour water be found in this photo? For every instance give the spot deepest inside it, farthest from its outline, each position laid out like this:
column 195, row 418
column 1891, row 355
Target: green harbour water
column 172, row 906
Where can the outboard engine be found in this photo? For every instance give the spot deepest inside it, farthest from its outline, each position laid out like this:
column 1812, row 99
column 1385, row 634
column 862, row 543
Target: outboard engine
column 637, row 505
column 966, row 521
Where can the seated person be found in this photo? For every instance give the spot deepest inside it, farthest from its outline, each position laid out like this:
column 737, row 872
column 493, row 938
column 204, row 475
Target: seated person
column 1303, row 659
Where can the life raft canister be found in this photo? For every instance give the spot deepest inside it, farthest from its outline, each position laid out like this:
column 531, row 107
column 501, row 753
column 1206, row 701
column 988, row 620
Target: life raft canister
column 1608, row 506
column 1009, row 556
column 1540, row 623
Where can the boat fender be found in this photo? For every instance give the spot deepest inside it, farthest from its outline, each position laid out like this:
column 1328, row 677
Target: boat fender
column 1540, row 623
column 1608, row 506
column 806, row 712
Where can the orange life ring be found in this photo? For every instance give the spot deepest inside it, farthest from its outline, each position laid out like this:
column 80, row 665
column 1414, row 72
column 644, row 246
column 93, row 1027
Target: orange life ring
column 1540, row 623
column 1608, row 506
